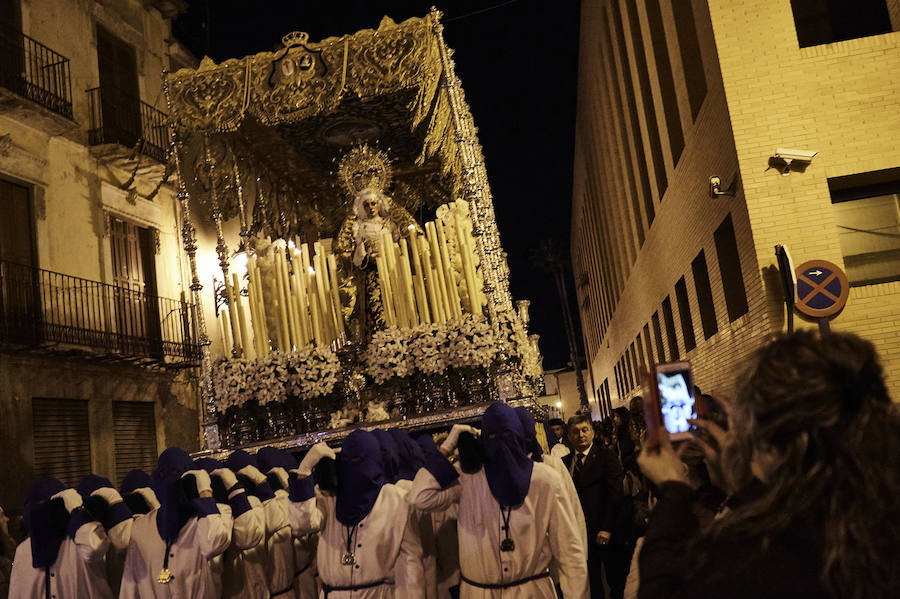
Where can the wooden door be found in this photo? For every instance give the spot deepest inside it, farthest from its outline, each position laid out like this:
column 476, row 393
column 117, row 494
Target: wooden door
column 134, row 277
column 19, row 282
column 119, row 91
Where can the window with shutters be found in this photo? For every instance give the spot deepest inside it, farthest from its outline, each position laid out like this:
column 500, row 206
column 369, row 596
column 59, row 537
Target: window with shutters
column 134, row 434
column 704, row 295
column 19, row 285
column 691, row 56
column 669, row 321
column 119, row 91
column 866, row 207
column 648, row 344
column 134, row 275
column 827, row 21
column 657, row 336
column 684, row 314
column 62, row 441
column 730, row 269
column 637, row 368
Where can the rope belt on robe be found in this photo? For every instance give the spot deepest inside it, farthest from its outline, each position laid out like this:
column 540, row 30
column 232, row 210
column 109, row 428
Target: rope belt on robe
column 288, row 589
column 503, row 585
column 327, row 588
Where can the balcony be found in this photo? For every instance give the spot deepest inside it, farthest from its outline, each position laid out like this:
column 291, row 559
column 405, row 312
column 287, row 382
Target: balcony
column 33, row 74
column 40, row 308
column 122, row 127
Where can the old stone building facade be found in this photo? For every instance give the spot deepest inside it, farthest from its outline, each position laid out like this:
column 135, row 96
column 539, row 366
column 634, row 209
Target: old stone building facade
column 674, row 92
column 98, row 349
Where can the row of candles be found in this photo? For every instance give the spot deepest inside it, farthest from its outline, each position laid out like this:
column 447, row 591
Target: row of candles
column 300, row 301
column 418, row 279
column 289, row 304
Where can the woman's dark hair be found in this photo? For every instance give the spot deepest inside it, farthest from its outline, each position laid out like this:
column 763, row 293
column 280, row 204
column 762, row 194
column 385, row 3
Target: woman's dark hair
column 819, row 406
column 624, row 416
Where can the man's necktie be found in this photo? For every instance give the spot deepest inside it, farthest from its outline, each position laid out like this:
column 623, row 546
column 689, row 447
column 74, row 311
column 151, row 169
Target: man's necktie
column 579, row 463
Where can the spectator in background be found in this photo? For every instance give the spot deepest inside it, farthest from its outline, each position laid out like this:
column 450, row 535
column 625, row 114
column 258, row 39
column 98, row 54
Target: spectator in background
column 638, row 426
column 558, row 428
column 822, row 520
column 597, row 475
column 624, row 443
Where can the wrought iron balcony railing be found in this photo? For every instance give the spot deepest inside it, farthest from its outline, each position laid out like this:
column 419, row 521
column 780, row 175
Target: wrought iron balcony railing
column 120, row 118
column 39, row 307
column 34, row 71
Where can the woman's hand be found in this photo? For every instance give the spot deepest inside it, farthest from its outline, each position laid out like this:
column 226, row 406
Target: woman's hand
column 662, row 464
column 716, row 454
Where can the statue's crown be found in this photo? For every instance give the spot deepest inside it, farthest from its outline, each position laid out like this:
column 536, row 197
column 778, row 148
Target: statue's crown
column 364, row 167
column 295, row 38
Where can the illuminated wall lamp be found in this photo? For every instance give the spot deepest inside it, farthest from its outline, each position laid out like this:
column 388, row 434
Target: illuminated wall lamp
column 715, row 188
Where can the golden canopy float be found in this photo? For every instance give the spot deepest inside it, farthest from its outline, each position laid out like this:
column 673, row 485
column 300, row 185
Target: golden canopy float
column 300, row 176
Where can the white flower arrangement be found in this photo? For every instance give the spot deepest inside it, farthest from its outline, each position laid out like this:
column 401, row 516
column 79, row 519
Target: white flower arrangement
column 431, row 349
column 343, row 418
column 376, row 412
column 308, row 373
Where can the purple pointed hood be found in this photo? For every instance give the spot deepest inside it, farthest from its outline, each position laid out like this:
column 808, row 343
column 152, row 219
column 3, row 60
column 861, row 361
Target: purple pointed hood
column 506, row 462
column 427, row 445
column 390, row 454
column 175, row 508
column 272, row 457
column 207, row 464
column 411, row 456
column 46, row 520
column 136, row 479
column 530, row 431
column 91, row 483
column 360, row 477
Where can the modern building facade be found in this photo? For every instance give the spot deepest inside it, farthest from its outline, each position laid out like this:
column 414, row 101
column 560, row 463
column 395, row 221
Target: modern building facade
column 98, row 347
column 675, row 92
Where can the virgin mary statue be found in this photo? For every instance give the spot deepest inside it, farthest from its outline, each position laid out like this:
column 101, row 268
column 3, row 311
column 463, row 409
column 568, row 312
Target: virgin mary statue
column 365, row 173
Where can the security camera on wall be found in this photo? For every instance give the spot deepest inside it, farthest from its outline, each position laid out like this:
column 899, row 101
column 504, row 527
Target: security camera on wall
column 786, row 161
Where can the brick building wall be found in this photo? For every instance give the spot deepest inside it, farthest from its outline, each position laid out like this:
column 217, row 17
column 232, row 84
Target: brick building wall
column 837, row 99
column 841, row 100
column 684, row 219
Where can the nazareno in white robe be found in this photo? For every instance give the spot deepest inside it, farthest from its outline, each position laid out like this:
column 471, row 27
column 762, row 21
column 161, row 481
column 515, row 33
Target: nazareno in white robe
column 190, row 557
column 440, row 553
column 570, row 494
column 244, row 562
column 280, row 563
column 79, row 571
column 383, row 545
column 543, row 529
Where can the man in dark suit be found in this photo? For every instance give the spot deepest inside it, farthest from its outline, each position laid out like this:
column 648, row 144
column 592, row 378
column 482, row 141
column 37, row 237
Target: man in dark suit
column 598, row 475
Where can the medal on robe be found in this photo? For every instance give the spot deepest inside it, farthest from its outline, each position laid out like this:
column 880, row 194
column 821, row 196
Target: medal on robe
column 348, row 559
column 506, row 544
column 164, row 576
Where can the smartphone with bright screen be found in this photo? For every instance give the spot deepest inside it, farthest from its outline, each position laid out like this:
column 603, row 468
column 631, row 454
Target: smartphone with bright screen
column 676, row 398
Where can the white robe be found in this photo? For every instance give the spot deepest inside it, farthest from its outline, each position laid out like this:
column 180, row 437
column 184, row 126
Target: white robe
column 382, row 544
column 190, row 559
column 570, row 494
column 543, row 528
column 306, row 577
column 280, row 563
column 79, row 571
column 244, row 562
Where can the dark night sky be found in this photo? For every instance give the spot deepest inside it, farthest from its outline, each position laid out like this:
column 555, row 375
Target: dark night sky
column 518, row 66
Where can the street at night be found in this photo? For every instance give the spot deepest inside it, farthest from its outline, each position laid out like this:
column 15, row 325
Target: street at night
column 492, row 299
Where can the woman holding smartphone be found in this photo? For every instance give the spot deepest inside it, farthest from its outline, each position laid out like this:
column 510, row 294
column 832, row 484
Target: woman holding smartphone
column 814, row 430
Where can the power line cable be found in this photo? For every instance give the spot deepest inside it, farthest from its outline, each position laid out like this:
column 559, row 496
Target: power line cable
column 481, row 11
